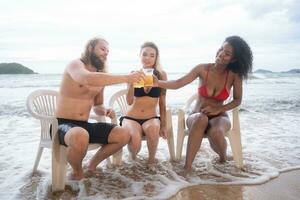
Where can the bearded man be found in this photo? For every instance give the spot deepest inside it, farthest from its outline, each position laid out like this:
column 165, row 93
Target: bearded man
column 82, row 89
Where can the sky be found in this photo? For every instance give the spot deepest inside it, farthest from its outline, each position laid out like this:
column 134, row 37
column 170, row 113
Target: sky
column 46, row 35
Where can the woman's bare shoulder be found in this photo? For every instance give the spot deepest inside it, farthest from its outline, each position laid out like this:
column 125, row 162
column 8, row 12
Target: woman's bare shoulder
column 202, row 68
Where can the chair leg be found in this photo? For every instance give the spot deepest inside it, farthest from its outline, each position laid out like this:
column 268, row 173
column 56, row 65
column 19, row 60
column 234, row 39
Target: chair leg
column 108, row 163
column 236, row 148
column 38, row 158
column 180, row 134
column 117, row 158
column 170, row 139
column 180, row 139
column 59, row 169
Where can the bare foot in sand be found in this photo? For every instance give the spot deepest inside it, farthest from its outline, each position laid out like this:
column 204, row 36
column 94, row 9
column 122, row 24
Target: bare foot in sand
column 89, row 174
column 95, row 174
column 222, row 159
column 76, row 176
column 132, row 156
column 186, row 171
column 152, row 164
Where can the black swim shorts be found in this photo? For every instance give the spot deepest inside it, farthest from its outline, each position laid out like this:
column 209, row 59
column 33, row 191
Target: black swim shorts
column 98, row 132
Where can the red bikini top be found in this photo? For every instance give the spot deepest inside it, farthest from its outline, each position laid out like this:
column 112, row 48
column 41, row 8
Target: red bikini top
column 224, row 94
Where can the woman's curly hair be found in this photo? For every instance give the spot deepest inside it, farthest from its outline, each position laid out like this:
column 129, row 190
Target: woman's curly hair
column 243, row 57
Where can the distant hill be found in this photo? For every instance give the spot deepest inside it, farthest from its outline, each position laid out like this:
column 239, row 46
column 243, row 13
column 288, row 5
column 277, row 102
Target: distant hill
column 262, row 71
column 293, row 71
column 14, row 68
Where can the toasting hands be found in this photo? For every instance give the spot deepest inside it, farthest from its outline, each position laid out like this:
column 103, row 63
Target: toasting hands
column 135, row 76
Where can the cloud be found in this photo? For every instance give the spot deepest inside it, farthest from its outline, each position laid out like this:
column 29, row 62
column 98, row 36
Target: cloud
column 187, row 32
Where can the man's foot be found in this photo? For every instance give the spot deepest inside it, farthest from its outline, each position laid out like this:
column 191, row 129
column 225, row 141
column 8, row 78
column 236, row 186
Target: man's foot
column 76, row 176
column 89, row 173
column 132, row 156
column 91, row 168
column 95, row 174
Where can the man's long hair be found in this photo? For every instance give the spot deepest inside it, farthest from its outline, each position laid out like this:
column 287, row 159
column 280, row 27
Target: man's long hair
column 89, row 56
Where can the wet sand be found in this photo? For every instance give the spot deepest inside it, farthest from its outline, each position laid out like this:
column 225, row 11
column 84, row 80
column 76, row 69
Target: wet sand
column 286, row 186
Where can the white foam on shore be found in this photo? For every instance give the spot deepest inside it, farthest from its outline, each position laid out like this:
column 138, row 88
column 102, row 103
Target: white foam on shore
column 135, row 181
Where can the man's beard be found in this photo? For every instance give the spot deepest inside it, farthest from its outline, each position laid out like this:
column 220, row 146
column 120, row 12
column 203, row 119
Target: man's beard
column 97, row 62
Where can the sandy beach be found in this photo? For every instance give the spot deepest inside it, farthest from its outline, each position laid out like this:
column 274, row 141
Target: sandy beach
column 270, row 137
column 286, row 186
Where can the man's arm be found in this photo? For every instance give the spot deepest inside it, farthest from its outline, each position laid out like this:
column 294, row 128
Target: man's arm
column 130, row 94
column 80, row 74
column 99, row 108
column 98, row 103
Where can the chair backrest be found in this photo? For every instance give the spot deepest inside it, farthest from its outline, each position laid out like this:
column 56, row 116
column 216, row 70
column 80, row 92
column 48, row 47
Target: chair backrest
column 189, row 103
column 119, row 98
column 42, row 103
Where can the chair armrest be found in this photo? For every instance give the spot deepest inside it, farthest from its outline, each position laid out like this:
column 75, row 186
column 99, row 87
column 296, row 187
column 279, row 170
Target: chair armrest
column 54, row 128
column 169, row 124
column 41, row 117
column 235, row 119
column 50, row 119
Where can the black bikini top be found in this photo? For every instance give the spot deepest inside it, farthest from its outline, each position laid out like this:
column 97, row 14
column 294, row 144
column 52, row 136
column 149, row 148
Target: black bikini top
column 154, row 92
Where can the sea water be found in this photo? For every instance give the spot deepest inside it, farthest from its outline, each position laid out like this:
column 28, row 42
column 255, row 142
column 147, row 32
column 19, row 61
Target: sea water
column 270, row 123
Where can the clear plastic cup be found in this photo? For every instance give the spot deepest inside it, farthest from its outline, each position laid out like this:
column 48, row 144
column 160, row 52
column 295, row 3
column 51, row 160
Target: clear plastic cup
column 149, row 78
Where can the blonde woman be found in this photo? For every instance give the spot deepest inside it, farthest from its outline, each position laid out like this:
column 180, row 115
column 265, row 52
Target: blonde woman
column 142, row 118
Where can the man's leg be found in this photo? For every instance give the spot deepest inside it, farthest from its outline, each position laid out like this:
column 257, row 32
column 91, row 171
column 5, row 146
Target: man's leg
column 117, row 138
column 77, row 140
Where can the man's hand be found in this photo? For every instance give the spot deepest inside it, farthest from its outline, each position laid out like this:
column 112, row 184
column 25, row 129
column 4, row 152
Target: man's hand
column 109, row 112
column 135, row 76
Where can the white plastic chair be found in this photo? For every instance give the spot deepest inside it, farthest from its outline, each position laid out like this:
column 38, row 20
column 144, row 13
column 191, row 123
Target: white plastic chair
column 118, row 101
column 234, row 134
column 41, row 104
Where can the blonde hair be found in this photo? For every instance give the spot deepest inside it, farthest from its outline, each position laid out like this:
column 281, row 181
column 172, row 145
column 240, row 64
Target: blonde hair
column 89, row 49
column 157, row 66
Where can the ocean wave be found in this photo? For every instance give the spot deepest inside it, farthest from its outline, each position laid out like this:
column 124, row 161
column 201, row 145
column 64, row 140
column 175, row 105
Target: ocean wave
column 43, row 84
column 13, row 110
column 262, row 105
column 274, row 105
column 20, row 137
column 133, row 180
